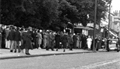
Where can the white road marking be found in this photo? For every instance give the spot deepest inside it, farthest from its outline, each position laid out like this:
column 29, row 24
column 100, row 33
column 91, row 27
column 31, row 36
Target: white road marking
column 99, row 64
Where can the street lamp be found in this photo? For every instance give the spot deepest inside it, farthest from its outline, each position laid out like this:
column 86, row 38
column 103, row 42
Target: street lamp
column 94, row 47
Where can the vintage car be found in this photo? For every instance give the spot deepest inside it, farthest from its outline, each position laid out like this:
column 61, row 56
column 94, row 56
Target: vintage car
column 113, row 44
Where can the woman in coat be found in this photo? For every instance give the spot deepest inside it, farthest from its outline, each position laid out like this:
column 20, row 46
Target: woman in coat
column 39, row 35
column 45, row 39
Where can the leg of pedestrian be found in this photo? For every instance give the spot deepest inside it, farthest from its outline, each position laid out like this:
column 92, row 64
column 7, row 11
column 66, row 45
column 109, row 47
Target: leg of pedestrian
column 11, row 46
column 15, row 46
column 27, row 51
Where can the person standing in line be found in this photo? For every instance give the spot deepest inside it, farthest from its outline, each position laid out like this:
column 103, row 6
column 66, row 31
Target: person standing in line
column 78, row 41
column 57, row 41
column 36, row 39
column 45, row 40
column 17, row 39
column 74, row 40
column 39, row 35
column 70, row 41
column 0, row 37
column 7, row 42
column 11, row 38
column 27, row 43
column 84, row 42
column 52, row 40
column 64, row 41
column 42, row 40
column 50, row 44
column 118, row 45
column 3, row 36
column 34, row 35
column 89, row 42
column 107, row 45
column 98, row 44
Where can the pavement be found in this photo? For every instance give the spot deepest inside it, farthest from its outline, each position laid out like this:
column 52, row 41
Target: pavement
column 6, row 54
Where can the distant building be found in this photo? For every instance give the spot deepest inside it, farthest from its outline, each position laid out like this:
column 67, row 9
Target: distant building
column 115, row 23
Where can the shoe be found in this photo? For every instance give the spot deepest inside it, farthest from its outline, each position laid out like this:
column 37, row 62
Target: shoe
column 70, row 49
column 11, row 50
column 19, row 51
column 63, row 50
column 56, row 49
column 52, row 49
column 27, row 53
column 14, row 51
column 47, row 49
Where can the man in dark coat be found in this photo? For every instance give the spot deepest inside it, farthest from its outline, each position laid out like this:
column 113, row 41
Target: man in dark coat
column 84, row 42
column 57, row 41
column 64, row 41
column 70, row 41
column 17, row 40
column 11, row 38
column 34, row 36
column 26, row 37
column 3, row 38
column 107, row 45
column 50, row 41
column 75, row 41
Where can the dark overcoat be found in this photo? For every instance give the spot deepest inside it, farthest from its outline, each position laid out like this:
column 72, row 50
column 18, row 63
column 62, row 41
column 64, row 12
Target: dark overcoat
column 26, row 37
column 11, row 35
column 17, row 36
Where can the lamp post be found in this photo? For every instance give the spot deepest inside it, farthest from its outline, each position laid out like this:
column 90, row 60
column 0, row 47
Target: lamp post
column 109, row 18
column 94, row 46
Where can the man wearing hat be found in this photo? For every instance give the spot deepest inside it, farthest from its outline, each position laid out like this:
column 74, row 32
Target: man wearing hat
column 65, row 41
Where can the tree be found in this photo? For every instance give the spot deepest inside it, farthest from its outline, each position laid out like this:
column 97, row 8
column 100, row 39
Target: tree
column 116, row 13
column 86, row 7
column 36, row 13
column 45, row 13
column 67, row 13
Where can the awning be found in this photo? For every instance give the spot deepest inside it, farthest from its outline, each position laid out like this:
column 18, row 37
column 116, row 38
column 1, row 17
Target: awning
column 82, row 27
column 114, row 34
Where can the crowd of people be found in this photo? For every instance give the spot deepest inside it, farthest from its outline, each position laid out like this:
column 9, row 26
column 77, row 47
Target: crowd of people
column 19, row 38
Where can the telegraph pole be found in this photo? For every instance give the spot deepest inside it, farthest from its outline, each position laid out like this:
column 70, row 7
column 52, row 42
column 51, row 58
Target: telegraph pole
column 109, row 18
column 94, row 29
column 0, row 11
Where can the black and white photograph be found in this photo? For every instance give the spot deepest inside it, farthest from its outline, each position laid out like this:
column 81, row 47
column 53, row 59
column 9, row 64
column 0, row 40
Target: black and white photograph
column 59, row 34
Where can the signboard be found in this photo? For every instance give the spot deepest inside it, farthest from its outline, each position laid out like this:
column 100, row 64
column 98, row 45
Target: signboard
column 92, row 25
column 116, row 19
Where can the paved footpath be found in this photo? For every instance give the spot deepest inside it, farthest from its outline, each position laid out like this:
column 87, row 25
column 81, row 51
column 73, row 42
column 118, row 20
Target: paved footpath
column 6, row 54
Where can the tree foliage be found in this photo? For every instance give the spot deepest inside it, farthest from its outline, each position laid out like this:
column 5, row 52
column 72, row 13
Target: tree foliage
column 51, row 13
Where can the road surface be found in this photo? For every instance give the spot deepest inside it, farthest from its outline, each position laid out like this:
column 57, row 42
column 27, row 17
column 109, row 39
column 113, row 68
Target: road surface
column 99, row 60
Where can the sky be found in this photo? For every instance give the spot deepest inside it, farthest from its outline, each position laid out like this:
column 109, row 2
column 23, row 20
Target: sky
column 115, row 5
